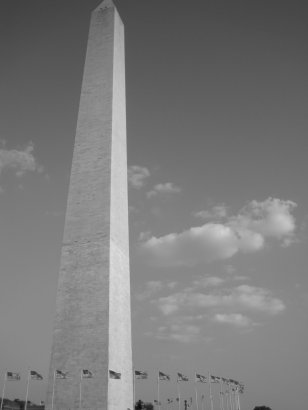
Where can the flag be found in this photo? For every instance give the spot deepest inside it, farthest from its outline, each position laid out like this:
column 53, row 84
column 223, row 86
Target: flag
column 224, row 380
column 35, row 375
column 163, row 376
column 114, row 375
column 200, row 378
column 182, row 378
column 86, row 374
column 60, row 374
column 141, row 375
column 157, row 402
column 169, row 401
column 12, row 376
column 241, row 388
column 215, row 379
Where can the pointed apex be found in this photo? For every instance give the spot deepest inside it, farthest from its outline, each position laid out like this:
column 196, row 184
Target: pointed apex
column 105, row 4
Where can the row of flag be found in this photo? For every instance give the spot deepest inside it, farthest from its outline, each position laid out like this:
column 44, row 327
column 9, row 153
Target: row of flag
column 198, row 378
column 139, row 374
column 32, row 375
column 229, row 394
column 233, row 387
column 16, row 376
column 59, row 374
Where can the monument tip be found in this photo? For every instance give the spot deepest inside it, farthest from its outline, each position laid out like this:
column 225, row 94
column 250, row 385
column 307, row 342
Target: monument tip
column 105, row 4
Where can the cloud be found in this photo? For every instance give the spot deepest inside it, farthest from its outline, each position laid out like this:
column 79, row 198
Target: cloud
column 216, row 212
column 199, row 244
column 270, row 218
column 166, row 188
column 172, row 285
column 246, row 232
column 235, row 319
column 150, row 289
column 186, row 313
column 240, row 298
column 208, row 281
column 240, row 277
column 154, row 286
column 184, row 333
column 137, row 176
column 19, row 161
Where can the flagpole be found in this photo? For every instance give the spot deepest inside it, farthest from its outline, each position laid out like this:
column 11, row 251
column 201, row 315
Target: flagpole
column 134, row 387
column 27, row 392
column 222, row 406
column 205, row 395
column 210, row 390
column 3, row 390
column 231, row 398
column 158, row 402
column 179, row 394
column 238, row 400
column 53, row 389
column 234, row 400
column 228, row 397
column 196, row 392
column 80, row 389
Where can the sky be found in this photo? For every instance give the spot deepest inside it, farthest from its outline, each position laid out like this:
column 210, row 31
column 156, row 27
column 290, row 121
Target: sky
column 217, row 164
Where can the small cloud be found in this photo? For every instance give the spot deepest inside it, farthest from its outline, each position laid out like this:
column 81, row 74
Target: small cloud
column 137, row 176
column 154, row 285
column 166, row 188
column 198, row 245
column 150, row 289
column 209, row 281
column 240, row 277
column 235, row 319
column 19, row 161
column 245, row 233
column 286, row 242
column 240, row 298
column 229, row 269
column 184, row 333
column 171, row 285
column 133, row 210
column 216, row 212
column 143, row 236
column 258, row 299
column 168, row 305
column 270, row 218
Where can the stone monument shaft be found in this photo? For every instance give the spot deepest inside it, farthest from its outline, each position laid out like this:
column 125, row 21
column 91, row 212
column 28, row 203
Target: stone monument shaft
column 93, row 321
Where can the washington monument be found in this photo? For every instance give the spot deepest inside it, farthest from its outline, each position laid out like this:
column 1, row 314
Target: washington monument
column 91, row 360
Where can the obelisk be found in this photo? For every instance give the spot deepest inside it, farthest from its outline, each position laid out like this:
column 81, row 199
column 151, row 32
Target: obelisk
column 92, row 328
